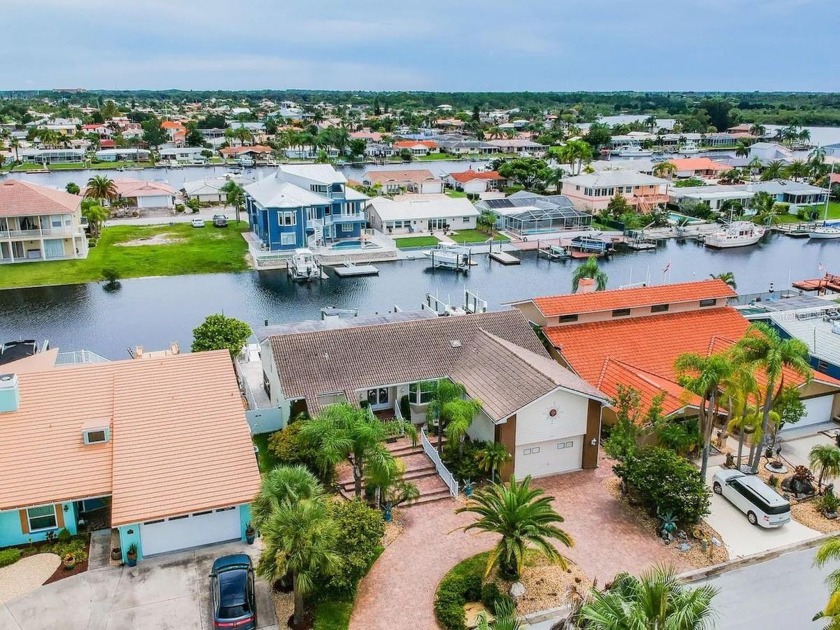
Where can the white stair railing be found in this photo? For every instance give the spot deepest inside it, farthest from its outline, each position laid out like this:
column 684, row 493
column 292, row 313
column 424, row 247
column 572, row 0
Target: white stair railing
column 443, row 472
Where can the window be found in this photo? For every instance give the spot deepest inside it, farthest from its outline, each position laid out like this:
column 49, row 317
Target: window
column 346, row 227
column 426, row 393
column 466, row 219
column 709, row 302
column 96, row 436
column 659, row 308
column 288, row 238
column 822, row 366
column 311, row 214
column 628, row 189
column 41, row 518
column 531, row 451
column 565, row 319
column 287, row 218
column 621, row 312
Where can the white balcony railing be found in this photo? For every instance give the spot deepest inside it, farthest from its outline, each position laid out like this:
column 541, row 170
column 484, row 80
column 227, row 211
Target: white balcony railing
column 50, row 232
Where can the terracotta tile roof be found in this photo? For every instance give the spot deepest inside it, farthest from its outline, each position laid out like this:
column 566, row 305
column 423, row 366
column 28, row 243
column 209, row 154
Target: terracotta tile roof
column 416, row 176
column 368, row 356
column 20, row 198
column 257, row 148
column 180, row 442
column 129, row 188
column 468, row 176
column 171, row 124
column 407, row 144
column 635, row 297
column 698, row 164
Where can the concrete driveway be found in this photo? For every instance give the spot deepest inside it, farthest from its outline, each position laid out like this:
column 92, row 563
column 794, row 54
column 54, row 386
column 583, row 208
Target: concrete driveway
column 169, row 592
column 743, row 539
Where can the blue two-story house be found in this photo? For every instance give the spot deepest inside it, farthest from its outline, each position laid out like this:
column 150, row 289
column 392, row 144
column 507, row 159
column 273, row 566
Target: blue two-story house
column 304, row 205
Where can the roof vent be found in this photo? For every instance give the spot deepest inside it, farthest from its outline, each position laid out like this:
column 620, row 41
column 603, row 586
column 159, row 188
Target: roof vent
column 96, row 432
column 9, row 393
column 455, row 343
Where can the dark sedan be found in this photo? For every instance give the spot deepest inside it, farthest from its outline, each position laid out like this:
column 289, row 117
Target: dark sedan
column 232, row 593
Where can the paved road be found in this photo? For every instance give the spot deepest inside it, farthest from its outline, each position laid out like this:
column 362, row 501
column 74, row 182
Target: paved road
column 780, row 594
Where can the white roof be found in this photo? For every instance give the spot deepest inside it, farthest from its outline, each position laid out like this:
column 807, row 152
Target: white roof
column 640, row 165
column 423, row 207
column 321, row 173
column 614, row 178
column 270, row 193
column 812, row 326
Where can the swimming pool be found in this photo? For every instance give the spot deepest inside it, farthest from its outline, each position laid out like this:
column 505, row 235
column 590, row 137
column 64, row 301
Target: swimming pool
column 354, row 244
column 683, row 219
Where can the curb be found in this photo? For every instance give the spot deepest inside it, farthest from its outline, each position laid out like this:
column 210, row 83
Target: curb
column 756, row 558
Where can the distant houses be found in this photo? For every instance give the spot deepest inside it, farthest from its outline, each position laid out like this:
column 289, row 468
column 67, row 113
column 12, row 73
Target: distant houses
column 396, row 182
column 476, row 181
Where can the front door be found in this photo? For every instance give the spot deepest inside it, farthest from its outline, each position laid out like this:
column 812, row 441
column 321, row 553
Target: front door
column 378, row 398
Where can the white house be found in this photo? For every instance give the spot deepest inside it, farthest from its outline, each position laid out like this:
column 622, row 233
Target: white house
column 421, row 213
column 413, row 181
column 145, row 194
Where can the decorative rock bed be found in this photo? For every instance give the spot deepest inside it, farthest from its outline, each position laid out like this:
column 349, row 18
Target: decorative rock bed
column 26, row 575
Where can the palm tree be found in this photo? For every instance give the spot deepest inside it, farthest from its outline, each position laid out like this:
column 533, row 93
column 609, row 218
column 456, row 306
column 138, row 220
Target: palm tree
column 590, row 269
column 773, row 170
column 704, row 377
column 742, row 150
column 824, row 459
column 393, row 488
column 14, row 143
column 96, row 216
column 283, row 484
column 764, row 348
column 299, row 541
column 796, row 170
column 755, row 166
column 234, row 196
column 765, row 206
column 758, row 130
column 445, row 391
column 491, row 456
column 665, row 169
column 523, row 517
column 341, row 431
column 728, row 278
column 457, row 416
column 830, row 552
column 101, row 187
column 655, row 600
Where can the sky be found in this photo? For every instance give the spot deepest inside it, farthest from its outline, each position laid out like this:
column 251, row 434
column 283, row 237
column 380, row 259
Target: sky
column 436, row 45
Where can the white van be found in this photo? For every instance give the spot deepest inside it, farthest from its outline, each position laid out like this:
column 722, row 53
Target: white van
column 762, row 505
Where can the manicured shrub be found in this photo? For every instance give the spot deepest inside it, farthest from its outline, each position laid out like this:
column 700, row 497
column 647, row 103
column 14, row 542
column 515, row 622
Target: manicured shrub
column 64, row 535
column 449, row 610
column 461, row 585
column 9, row 556
column 359, row 543
column 489, row 594
column 290, row 450
column 463, row 463
column 666, row 484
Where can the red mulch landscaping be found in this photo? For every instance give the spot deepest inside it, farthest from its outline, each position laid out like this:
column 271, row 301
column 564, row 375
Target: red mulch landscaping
column 61, row 572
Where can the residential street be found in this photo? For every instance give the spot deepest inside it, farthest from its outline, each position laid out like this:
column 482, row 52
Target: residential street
column 780, row 594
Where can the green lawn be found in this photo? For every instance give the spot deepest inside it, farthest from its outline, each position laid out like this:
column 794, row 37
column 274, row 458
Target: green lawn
column 475, row 236
column 99, row 165
column 431, row 157
column 207, row 250
column 456, row 194
column 265, row 458
column 333, row 614
column 29, row 166
column 416, row 241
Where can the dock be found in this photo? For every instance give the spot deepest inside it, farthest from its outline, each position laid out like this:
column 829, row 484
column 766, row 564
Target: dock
column 829, row 282
column 505, row 258
column 353, row 271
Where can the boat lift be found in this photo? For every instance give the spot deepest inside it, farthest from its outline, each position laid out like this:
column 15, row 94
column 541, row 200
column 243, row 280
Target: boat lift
column 472, row 304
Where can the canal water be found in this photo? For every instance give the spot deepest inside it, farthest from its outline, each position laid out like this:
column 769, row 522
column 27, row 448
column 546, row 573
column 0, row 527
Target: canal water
column 152, row 312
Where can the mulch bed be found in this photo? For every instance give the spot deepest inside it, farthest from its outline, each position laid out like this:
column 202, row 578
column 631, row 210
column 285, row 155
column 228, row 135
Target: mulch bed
column 61, row 572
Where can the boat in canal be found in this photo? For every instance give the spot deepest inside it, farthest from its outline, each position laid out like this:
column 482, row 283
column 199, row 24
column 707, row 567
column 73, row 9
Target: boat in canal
column 735, row 234
column 449, row 256
column 586, row 246
column 632, row 150
column 825, row 231
column 303, row 267
column 689, row 148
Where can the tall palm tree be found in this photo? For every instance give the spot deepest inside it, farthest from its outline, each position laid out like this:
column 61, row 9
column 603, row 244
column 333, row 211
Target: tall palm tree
column 728, row 278
column 234, row 196
column 765, row 349
column 738, row 391
column 299, row 540
column 758, row 130
column 444, row 392
column 283, row 484
column 101, row 187
column 742, row 150
column 657, row 600
column 96, row 216
column 590, row 269
column 340, row 432
column 704, row 377
column 523, row 517
column 796, row 170
column 665, row 169
column 824, row 459
column 773, row 170
column 491, row 456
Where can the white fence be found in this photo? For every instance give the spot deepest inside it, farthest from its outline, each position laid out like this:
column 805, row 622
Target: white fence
column 447, row 477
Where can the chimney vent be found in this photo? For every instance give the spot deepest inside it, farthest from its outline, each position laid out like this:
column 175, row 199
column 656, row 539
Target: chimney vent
column 9, row 393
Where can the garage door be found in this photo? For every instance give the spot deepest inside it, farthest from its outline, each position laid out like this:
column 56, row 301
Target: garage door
column 192, row 530
column 549, row 458
column 816, row 410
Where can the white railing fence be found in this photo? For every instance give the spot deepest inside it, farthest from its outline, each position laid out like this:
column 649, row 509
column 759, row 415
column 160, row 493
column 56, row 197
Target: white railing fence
column 447, row 476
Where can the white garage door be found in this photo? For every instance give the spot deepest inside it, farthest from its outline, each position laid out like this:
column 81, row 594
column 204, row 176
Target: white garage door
column 816, row 410
column 182, row 532
column 549, row 458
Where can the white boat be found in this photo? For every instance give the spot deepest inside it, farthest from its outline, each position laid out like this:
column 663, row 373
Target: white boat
column 449, row 257
column 303, row 267
column 633, row 150
column 689, row 148
column 824, row 232
column 735, row 234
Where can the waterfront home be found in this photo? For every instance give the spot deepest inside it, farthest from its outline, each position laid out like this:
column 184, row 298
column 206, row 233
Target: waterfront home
column 52, row 156
column 640, row 165
column 546, row 416
column 209, row 189
column 640, row 333
column 832, row 150
column 421, row 213
column 39, row 223
column 819, row 329
column 593, row 191
column 302, row 202
column 310, row 152
column 113, row 155
column 519, row 146
column 782, row 190
column 256, row 153
column 184, row 155
column 529, row 215
column 176, row 131
column 702, row 167
column 471, row 181
column 417, row 147
column 462, row 146
column 138, row 193
column 158, row 449
column 412, row 181
column 380, row 150
column 767, row 152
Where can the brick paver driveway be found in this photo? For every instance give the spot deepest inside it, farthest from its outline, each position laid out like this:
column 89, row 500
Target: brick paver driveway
column 399, row 590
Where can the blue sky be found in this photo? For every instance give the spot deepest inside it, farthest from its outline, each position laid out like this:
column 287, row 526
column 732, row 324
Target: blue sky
column 494, row 45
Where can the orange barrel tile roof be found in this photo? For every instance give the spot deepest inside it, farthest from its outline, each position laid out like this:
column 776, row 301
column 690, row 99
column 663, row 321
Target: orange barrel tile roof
column 20, row 198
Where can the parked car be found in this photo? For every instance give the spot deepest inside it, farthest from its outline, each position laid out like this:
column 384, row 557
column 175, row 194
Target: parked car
column 232, row 593
column 199, row 223
column 219, row 220
column 762, row 505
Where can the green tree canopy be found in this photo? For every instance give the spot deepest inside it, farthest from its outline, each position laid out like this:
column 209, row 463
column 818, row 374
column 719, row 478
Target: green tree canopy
column 219, row 332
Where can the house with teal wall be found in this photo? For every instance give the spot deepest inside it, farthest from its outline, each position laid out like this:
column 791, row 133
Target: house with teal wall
column 170, row 464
